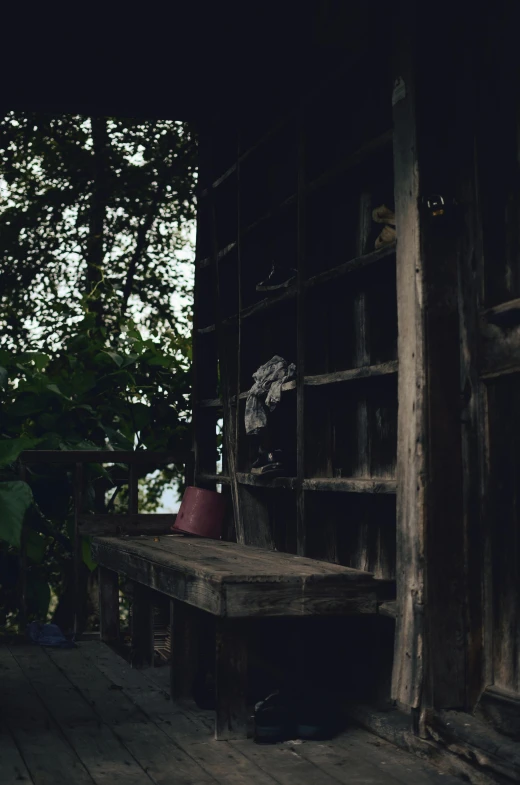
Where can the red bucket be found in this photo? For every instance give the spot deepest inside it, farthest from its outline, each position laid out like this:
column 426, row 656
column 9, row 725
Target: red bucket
column 201, row 513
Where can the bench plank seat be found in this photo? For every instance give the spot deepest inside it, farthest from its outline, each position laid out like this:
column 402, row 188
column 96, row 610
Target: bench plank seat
column 236, row 581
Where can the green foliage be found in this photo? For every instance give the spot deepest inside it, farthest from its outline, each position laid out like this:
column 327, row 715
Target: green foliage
column 15, row 500
column 96, row 219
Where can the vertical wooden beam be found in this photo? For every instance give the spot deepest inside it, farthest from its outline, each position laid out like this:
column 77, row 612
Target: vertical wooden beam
column 141, row 655
column 108, row 605
column 301, row 524
column 184, row 630
column 22, row 562
column 408, row 673
column 78, row 503
column 230, row 387
column 231, row 679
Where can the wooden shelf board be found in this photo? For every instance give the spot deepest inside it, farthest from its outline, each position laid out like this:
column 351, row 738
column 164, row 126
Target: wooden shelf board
column 348, row 267
column 220, row 255
column 365, row 372
column 351, row 160
column 206, row 330
column 264, row 481
column 210, row 403
column 218, row 478
column 389, row 609
column 506, row 314
column 269, row 302
column 351, row 484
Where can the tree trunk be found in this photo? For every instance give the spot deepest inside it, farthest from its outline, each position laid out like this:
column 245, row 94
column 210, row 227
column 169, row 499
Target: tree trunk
column 95, row 250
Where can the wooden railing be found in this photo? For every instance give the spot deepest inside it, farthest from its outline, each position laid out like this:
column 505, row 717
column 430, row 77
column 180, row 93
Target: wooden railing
column 134, row 523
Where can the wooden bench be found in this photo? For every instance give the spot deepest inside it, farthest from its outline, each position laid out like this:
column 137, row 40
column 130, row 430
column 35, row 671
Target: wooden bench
column 232, row 582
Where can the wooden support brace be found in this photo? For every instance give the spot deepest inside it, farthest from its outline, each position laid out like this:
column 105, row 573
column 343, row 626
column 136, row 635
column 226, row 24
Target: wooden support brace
column 142, row 627
column 231, row 679
column 108, row 605
column 184, row 626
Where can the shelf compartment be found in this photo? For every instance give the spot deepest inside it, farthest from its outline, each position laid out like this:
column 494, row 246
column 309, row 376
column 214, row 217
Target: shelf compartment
column 260, row 481
column 352, row 265
column 365, row 372
column 351, row 484
column 351, row 160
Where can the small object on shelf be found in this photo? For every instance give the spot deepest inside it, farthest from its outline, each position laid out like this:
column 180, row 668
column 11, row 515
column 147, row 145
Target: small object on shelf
column 201, row 513
column 387, row 237
column 279, row 278
column 268, row 462
column 383, row 215
column 266, row 392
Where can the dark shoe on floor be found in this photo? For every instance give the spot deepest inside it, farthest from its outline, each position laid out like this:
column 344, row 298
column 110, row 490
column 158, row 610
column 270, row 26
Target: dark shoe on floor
column 278, row 278
column 273, row 720
column 268, row 462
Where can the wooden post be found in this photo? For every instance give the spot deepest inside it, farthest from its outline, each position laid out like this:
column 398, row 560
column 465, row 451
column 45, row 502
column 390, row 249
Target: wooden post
column 184, row 627
column 301, row 526
column 231, row 679
column 108, row 605
column 22, row 583
column 78, row 501
column 408, row 672
column 141, row 655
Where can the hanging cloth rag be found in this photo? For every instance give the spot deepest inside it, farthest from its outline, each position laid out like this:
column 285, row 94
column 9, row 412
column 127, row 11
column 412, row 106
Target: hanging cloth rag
column 266, row 392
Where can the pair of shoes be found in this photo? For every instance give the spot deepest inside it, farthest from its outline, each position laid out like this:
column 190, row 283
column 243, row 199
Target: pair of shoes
column 282, row 717
column 388, row 235
column 278, row 278
column 268, row 462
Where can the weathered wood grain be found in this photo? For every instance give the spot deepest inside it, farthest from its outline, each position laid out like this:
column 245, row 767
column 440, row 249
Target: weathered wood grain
column 231, row 679
column 48, row 756
column 411, row 459
column 264, row 481
column 185, row 635
column 350, row 484
column 126, row 523
column 92, row 740
column 108, row 605
column 226, row 579
column 12, row 765
column 365, row 372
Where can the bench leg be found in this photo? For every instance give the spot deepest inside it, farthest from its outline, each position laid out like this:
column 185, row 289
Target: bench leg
column 184, row 630
column 142, row 627
column 108, row 605
column 231, row 679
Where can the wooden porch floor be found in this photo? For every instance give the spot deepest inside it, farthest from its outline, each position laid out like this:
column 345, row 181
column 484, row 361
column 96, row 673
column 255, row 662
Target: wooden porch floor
column 84, row 716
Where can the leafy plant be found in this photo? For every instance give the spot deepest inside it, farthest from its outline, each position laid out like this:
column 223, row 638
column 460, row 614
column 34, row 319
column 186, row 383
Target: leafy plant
column 95, row 310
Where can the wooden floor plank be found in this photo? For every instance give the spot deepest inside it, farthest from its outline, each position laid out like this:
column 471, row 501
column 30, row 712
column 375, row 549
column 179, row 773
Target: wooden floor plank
column 342, row 764
column 405, row 768
column 191, row 730
column 287, row 766
column 102, row 754
column 13, row 770
column 84, row 716
column 47, row 755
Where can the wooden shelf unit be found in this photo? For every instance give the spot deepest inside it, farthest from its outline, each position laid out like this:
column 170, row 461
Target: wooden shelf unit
column 336, row 422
